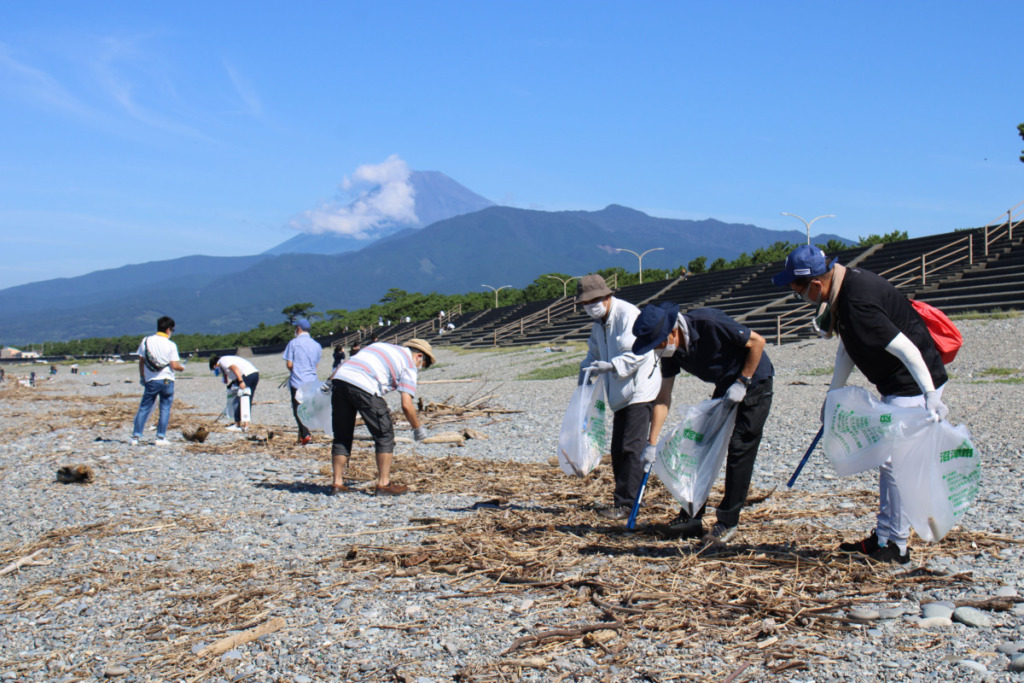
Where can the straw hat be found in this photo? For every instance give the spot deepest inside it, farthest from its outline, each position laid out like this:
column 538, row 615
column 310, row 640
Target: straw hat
column 423, row 346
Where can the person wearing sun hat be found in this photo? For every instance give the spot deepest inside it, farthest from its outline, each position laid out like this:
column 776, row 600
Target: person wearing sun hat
column 883, row 336
column 630, row 381
column 358, row 386
column 713, row 347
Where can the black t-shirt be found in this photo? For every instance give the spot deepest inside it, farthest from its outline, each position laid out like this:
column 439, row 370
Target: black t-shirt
column 870, row 312
column 716, row 352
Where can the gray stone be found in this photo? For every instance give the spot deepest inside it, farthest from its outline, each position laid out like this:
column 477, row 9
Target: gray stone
column 935, row 622
column 972, row 616
column 115, row 671
column 874, row 632
column 1017, row 664
column 862, row 614
column 231, row 655
column 1006, row 592
column 972, row 665
column 1010, row 648
column 303, row 679
column 890, row 613
column 292, row 519
column 937, row 609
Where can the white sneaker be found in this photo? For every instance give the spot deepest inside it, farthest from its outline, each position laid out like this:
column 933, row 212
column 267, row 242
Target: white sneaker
column 161, row 442
column 233, row 428
column 134, row 442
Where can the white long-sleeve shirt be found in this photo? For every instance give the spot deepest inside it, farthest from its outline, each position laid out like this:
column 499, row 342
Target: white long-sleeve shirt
column 636, row 378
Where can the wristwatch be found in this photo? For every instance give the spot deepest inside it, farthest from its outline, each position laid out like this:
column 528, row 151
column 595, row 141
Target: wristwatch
column 745, row 381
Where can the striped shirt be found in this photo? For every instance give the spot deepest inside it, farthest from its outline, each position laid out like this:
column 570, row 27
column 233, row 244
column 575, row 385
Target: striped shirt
column 380, row 368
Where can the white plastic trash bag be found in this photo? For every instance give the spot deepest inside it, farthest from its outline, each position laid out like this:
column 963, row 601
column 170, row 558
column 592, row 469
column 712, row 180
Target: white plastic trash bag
column 691, row 455
column 581, row 441
column 861, row 431
column 938, row 474
column 314, row 407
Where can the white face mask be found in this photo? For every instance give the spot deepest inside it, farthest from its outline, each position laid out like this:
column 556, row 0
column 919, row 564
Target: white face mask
column 596, row 310
column 668, row 350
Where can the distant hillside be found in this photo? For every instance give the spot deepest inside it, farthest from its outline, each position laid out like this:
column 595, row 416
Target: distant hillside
column 437, row 197
column 496, row 246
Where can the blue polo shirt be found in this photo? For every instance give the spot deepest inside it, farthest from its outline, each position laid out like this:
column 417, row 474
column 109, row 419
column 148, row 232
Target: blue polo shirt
column 304, row 353
column 716, row 352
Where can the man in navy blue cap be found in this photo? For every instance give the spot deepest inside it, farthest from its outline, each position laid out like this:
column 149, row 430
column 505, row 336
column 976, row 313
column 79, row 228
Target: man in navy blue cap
column 713, row 347
column 883, row 336
column 302, row 355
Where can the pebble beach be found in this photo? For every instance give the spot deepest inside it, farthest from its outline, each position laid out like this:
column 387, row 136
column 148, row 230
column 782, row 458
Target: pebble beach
column 226, row 560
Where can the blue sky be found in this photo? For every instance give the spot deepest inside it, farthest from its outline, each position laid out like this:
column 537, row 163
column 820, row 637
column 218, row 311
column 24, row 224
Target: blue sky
column 132, row 132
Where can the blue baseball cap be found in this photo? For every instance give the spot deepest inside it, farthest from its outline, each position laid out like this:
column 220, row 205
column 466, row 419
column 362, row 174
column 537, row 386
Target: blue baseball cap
column 804, row 261
column 302, row 324
column 652, row 326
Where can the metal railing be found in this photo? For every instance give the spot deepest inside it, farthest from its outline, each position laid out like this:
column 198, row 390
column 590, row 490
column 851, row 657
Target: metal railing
column 995, row 230
column 915, row 271
column 543, row 316
column 792, row 322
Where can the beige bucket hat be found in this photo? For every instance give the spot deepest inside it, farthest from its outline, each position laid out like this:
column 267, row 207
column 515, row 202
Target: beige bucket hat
column 423, row 346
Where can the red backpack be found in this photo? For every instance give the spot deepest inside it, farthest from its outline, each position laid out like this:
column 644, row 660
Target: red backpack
column 947, row 338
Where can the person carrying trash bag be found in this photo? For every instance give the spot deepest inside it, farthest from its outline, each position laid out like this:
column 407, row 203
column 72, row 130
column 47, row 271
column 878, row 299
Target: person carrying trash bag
column 630, row 382
column 301, row 356
column 713, row 347
column 883, row 336
column 358, row 386
column 241, row 376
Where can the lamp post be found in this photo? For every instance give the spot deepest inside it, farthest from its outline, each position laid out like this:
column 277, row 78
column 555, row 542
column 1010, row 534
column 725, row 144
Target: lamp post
column 565, row 283
column 827, row 215
column 496, row 292
column 640, row 259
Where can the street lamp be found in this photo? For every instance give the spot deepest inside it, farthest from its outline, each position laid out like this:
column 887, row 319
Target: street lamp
column 496, row 292
column 565, row 283
column 827, row 215
column 640, row 259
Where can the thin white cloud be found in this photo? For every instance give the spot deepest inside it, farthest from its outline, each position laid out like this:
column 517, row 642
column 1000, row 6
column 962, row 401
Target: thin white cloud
column 383, row 195
column 245, row 91
column 36, row 85
column 118, row 58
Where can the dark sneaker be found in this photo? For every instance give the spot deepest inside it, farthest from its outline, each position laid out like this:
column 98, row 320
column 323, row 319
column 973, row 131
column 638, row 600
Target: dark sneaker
column 337, row 490
column 866, row 547
column 391, row 489
column 718, row 535
column 614, row 513
column 686, row 527
column 890, row 554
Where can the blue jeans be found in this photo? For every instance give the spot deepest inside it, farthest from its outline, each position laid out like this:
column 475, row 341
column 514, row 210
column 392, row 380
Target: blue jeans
column 164, row 388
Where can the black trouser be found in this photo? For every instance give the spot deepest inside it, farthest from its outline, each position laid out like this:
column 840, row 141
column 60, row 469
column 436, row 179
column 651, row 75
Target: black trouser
column 303, row 431
column 348, row 400
column 630, row 429
column 751, row 415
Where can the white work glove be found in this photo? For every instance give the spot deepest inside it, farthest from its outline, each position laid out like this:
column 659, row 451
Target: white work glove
column 243, row 392
column 650, row 454
column 419, row 433
column 326, row 387
column 599, row 367
column 937, row 410
column 735, row 393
